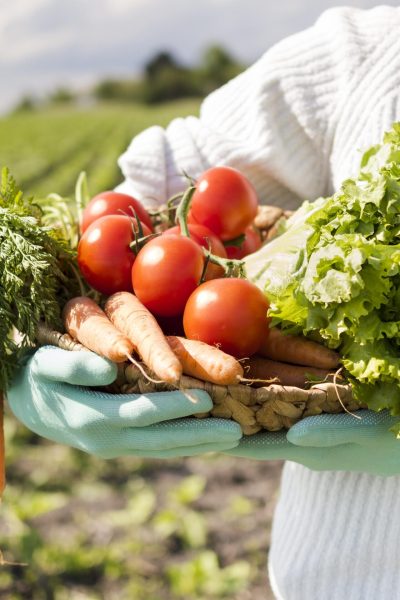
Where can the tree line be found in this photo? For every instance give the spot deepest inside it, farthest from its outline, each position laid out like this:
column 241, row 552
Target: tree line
column 163, row 78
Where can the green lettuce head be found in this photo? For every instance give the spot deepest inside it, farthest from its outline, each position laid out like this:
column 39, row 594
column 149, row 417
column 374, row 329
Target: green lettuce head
column 333, row 274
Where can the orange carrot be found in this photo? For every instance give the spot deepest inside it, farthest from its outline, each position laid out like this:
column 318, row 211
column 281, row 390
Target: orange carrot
column 297, row 350
column 206, row 362
column 86, row 322
column 2, row 449
column 133, row 319
column 265, row 370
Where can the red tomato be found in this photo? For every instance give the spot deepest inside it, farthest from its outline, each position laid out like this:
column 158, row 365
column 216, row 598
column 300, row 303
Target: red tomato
column 230, row 313
column 114, row 203
column 166, row 271
column 251, row 243
column 104, row 255
column 224, row 201
column 206, row 239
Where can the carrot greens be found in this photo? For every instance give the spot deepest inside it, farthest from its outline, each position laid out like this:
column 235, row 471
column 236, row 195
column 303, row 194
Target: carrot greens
column 34, row 261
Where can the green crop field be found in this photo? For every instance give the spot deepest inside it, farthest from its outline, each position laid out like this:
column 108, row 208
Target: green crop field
column 45, row 150
column 74, row 527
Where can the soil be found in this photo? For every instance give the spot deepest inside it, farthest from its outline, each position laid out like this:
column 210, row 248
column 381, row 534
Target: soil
column 237, row 506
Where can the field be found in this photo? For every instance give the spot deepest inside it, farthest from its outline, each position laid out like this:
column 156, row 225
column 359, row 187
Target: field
column 73, row 527
column 45, row 150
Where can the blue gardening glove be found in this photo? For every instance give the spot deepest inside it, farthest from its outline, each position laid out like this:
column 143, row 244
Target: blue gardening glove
column 344, row 442
column 49, row 395
column 331, row 443
column 272, row 445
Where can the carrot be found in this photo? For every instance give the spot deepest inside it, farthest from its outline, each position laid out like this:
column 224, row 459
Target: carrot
column 86, row 322
column 49, row 337
column 133, row 319
column 206, row 362
column 2, row 449
column 265, row 370
column 297, row 350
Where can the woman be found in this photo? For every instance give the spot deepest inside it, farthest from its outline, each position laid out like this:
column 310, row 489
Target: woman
column 295, row 123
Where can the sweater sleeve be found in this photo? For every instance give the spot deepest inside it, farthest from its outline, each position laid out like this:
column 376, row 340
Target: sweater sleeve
column 277, row 122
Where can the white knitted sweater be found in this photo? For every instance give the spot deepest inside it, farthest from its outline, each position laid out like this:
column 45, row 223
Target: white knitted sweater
column 296, row 123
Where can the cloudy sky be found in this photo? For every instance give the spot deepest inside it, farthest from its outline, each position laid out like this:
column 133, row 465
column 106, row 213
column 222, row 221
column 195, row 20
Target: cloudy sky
column 45, row 44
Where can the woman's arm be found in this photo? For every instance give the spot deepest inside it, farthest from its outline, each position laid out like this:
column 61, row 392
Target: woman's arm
column 284, row 121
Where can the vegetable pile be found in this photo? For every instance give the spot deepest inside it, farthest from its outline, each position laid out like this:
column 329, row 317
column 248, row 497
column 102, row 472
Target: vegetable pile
column 172, row 288
column 334, row 275
column 190, row 291
column 172, row 296
column 165, row 294
column 119, row 251
column 179, row 313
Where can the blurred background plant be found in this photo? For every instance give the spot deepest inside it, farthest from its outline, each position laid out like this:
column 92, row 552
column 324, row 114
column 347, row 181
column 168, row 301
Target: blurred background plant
column 75, row 527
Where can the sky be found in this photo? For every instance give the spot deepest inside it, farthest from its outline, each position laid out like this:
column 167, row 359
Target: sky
column 47, row 44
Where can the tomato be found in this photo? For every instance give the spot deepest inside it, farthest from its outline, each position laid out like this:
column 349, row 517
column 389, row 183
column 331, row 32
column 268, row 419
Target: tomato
column 251, row 243
column 230, row 313
column 114, row 203
column 224, row 201
column 166, row 271
column 205, row 238
column 105, row 258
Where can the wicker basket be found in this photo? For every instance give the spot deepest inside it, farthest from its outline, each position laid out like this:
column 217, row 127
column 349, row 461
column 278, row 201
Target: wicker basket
column 272, row 407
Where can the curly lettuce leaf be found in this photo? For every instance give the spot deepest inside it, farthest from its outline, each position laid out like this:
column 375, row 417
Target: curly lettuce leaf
column 334, row 274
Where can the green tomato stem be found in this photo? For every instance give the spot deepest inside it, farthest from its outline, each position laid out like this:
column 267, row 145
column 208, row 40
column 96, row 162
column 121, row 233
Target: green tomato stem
column 183, row 209
column 232, row 267
column 171, row 201
column 138, row 243
column 81, row 196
